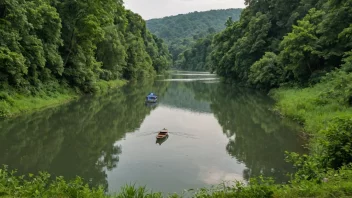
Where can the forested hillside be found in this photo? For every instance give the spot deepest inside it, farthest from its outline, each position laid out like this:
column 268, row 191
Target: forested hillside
column 76, row 43
column 282, row 41
column 197, row 56
column 51, row 46
column 180, row 31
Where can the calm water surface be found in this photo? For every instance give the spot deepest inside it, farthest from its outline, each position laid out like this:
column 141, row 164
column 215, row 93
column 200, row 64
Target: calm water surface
column 217, row 133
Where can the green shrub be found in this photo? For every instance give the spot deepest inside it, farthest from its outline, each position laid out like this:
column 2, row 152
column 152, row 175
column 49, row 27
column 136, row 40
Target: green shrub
column 338, row 87
column 43, row 186
column 266, row 73
column 308, row 167
column 335, row 183
column 337, row 143
column 316, row 106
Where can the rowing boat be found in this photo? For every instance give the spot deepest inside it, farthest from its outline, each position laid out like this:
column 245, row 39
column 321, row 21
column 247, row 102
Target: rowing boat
column 162, row 134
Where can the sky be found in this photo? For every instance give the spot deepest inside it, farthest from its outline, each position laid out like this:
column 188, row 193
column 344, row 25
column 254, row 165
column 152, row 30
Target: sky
column 150, row 9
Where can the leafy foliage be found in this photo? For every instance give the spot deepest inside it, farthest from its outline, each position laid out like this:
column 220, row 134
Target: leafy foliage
column 196, row 57
column 40, row 186
column 75, row 43
column 338, row 142
column 182, row 31
column 309, row 41
column 266, row 73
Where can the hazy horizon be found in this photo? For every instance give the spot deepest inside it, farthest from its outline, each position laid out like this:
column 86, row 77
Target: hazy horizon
column 162, row 8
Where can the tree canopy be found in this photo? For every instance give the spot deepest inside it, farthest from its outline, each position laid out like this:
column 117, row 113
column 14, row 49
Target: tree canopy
column 75, row 43
column 280, row 41
column 277, row 42
column 181, row 31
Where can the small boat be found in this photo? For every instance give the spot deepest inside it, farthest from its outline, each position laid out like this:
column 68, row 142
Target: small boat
column 152, row 98
column 162, row 134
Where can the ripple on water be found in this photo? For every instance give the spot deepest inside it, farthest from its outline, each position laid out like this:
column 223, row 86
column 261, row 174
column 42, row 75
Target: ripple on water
column 188, row 80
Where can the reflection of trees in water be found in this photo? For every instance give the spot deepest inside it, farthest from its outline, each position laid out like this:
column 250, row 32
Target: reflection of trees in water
column 78, row 138
column 180, row 96
column 257, row 137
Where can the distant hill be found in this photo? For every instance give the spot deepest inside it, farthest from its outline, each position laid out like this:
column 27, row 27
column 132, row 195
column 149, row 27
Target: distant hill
column 180, row 31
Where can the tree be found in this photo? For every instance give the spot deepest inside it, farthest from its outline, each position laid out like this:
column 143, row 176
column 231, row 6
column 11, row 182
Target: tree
column 300, row 51
column 190, row 27
column 266, row 72
column 74, row 43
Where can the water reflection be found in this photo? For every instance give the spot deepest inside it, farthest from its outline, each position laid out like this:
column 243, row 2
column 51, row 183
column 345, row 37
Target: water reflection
column 161, row 141
column 257, row 137
column 180, row 95
column 78, row 138
column 216, row 132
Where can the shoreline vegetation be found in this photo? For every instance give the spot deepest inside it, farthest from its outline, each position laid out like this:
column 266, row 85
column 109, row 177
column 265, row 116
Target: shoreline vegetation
column 43, row 185
column 53, row 51
column 17, row 103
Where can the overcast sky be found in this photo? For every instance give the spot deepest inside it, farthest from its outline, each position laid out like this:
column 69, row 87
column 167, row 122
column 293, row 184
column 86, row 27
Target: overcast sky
column 149, row 9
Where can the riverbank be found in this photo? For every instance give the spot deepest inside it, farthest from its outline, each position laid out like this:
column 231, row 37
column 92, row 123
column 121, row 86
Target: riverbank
column 43, row 186
column 325, row 112
column 14, row 103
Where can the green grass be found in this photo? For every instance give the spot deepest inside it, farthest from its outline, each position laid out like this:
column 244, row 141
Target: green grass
column 42, row 185
column 325, row 112
column 104, row 86
column 315, row 106
column 13, row 103
column 336, row 184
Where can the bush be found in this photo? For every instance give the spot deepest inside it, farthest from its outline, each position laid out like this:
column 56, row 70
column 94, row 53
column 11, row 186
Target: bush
column 338, row 87
column 335, row 184
column 266, row 73
column 337, row 143
column 43, row 186
column 308, row 167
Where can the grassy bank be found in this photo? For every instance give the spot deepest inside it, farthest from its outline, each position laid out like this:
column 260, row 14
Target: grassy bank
column 43, row 186
column 318, row 105
column 15, row 102
column 325, row 111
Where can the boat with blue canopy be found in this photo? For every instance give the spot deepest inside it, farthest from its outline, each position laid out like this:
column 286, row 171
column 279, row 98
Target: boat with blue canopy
column 152, row 98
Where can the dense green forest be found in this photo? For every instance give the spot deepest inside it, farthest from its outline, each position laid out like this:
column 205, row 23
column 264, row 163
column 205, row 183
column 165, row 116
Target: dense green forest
column 77, row 43
column 181, row 31
column 277, row 42
column 197, row 56
column 46, row 45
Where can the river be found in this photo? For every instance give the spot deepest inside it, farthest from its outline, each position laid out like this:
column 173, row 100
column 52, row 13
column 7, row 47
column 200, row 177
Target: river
column 218, row 133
